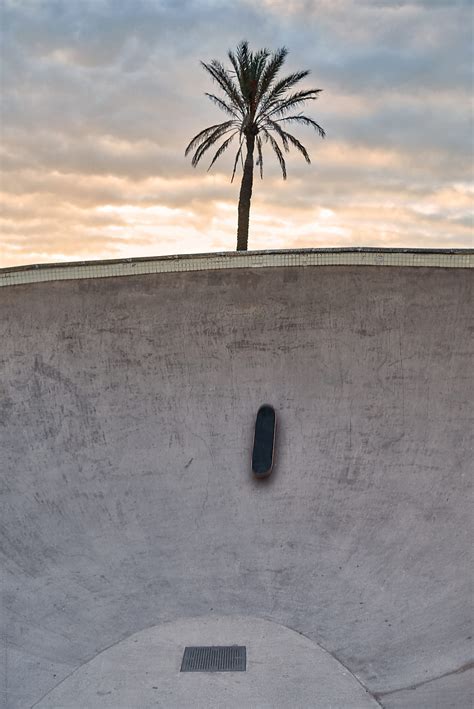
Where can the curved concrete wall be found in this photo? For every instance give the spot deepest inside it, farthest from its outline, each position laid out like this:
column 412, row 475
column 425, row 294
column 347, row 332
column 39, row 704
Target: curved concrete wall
column 126, row 421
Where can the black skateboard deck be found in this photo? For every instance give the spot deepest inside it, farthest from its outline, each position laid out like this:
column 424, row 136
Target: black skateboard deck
column 264, row 441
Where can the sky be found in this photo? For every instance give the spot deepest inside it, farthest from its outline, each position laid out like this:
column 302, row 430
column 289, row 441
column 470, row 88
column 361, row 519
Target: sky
column 101, row 97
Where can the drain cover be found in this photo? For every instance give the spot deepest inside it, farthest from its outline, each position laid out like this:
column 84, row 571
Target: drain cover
column 224, row 658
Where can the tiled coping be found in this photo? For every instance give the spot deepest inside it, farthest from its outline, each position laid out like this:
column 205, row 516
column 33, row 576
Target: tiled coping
column 431, row 258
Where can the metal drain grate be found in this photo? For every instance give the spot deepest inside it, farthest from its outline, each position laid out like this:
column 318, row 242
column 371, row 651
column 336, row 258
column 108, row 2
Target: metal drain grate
column 224, row 658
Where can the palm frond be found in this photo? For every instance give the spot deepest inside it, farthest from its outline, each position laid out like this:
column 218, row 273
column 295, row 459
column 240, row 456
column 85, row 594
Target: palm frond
column 299, row 146
column 248, row 68
column 299, row 118
column 280, row 106
column 243, row 60
column 290, row 139
column 271, row 70
column 240, row 63
column 204, row 134
column 238, row 154
column 219, row 74
column 236, row 67
column 223, row 105
column 278, row 90
column 277, row 150
column 208, row 143
column 278, row 129
column 258, row 65
column 260, row 156
column 222, row 149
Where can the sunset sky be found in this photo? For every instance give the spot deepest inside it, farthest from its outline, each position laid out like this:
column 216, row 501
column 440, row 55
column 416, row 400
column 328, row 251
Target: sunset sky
column 101, row 97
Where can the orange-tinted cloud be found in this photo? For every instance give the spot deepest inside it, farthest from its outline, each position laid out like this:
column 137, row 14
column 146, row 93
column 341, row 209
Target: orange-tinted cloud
column 101, row 98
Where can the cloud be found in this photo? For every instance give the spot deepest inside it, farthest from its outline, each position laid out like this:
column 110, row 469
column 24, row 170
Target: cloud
column 100, row 99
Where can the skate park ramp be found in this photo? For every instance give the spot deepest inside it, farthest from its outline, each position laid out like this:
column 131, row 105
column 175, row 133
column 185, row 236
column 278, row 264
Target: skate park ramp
column 131, row 526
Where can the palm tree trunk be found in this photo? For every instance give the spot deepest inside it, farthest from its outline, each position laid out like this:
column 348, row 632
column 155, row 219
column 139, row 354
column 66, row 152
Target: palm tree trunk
column 245, row 197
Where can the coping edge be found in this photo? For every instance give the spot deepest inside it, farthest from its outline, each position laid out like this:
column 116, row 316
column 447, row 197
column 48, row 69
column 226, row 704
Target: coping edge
column 360, row 256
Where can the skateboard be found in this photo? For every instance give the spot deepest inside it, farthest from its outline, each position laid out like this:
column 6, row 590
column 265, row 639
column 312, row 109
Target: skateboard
column 264, row 441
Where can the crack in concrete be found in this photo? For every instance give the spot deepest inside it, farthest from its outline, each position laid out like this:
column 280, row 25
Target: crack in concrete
column 371, row 694
column 458, row 671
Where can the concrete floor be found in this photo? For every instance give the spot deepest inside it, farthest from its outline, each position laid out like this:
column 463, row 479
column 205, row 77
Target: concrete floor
column 130, row 524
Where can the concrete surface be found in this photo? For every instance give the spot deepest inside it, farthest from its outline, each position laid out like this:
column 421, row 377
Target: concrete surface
column 126, row 421
column 144, row 671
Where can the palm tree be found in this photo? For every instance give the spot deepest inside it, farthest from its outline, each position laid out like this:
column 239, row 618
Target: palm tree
column 257, row 105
